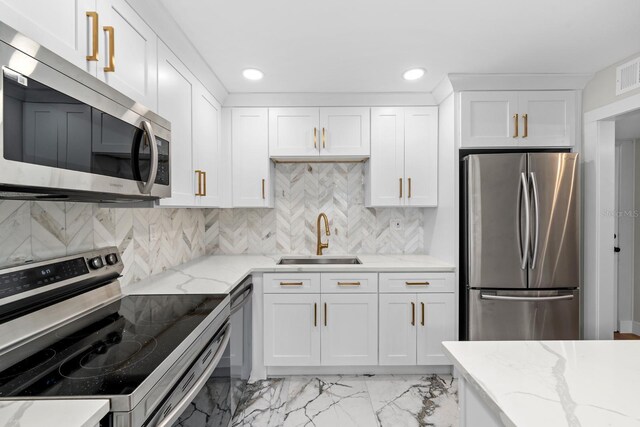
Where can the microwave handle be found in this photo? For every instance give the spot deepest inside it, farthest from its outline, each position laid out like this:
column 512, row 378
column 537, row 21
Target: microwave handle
column 154, row 157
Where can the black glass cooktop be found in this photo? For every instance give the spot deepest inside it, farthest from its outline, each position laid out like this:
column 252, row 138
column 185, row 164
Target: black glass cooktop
column 109, row 352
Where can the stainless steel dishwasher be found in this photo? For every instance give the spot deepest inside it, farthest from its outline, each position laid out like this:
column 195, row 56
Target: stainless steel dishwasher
column 241, row 353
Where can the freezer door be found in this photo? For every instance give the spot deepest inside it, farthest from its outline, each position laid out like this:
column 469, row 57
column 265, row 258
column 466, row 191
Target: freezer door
column 495, row 219
column 555, row 247
column 523, row 315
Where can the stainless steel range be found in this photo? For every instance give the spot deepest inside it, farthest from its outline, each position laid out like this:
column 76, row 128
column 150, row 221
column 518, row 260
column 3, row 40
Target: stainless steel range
column 68, row 333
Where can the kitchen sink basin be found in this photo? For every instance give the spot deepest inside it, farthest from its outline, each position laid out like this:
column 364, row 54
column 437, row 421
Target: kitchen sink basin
column 319, row 260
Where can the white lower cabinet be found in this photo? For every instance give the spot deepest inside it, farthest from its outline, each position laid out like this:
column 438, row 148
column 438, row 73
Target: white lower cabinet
column 349, row 334
column 292, row 329
column 413, row 326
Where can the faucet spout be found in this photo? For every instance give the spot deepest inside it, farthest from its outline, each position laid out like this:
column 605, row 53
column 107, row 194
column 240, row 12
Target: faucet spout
column 320, row 246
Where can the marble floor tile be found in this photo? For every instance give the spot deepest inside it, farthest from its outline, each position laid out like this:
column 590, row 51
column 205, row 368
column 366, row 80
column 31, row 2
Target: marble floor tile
column 328, row 401
column 342, row 401
column 412, row 400
column 262, row 404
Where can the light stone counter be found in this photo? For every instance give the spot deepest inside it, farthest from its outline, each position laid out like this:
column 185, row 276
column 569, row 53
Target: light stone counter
column 548, row 383
column 221, row 273
column 53, row 413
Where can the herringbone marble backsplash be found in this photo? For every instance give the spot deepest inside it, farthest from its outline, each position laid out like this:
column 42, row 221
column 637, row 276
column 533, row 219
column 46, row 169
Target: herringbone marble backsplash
column 40, row 230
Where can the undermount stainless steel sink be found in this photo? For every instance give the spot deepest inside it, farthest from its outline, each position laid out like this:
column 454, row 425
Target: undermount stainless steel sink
column 323, row 260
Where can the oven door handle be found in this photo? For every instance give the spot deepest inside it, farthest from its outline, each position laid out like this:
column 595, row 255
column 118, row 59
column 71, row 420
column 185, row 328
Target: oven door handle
column 153, row 171
column 172, row 416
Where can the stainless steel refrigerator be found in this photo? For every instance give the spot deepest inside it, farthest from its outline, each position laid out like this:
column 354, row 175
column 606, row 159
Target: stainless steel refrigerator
column 521, row 238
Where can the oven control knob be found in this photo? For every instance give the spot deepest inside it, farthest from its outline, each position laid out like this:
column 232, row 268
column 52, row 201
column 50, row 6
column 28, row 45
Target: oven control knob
column 111, row 259
column 96, row 263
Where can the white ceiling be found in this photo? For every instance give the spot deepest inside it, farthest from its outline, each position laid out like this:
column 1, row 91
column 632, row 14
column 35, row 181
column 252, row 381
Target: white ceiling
column 365, row 45
column 628, row 126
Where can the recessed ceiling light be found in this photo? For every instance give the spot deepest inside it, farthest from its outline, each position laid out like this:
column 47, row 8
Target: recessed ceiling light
column 413, row 74
column 252, row 74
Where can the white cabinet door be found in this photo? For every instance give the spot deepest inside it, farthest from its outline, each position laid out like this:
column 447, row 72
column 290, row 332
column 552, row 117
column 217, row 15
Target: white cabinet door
column 349, row 329
column 293, row 132
column 175, row 100
column 385, row 168
column 292, row 329
column 550, row 118
column 252, row 169
column 207, row 150
column 437, row 323
column 397, row 330
column 488, row 119
column 344, row 132
column 421, row 156
column 134, row 51
column 61, row 26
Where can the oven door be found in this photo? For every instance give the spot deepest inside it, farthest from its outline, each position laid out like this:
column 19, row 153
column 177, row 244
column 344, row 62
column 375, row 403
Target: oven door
column 203, row 397
column 62, row 137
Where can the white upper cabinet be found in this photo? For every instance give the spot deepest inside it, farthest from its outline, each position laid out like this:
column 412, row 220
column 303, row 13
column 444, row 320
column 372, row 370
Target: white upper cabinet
column 403, row 168
column 385, row 169
column 311, row 133
column 518, row 119
column 548, row 118
column 252, row 169
column 345, row 132
column 61, row 26
column 175, row 101
column 128, row 60
column 293, row 132
column 207, row 149
column 421, row 156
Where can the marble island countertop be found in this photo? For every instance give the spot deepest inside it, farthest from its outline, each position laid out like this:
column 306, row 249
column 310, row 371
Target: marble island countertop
column 553, row 383
column 221, row 273
column 53, row 413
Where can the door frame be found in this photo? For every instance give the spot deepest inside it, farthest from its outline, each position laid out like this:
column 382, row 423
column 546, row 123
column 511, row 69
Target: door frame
column 599, row 178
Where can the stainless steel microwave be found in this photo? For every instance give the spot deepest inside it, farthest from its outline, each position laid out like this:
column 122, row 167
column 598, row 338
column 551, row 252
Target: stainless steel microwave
column 67, row 136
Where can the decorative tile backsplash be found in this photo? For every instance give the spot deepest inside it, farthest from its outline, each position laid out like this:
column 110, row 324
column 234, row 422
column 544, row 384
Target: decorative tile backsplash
column 303, row 190
column 40, row 230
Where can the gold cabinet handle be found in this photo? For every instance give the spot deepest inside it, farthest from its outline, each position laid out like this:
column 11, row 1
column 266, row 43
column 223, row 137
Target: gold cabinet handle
column 422, row 305
column 525, row 118
column 409, row 187
column 315, row 137
column 401, row 188
column 315, row 314
column 199, row 174
column 112, row 49
column 262, row 188
column 324, row 139
column 94, row 34
column 413, row 314
column 348, row 283
column 291, row 283
column 325, row 314
column 515, row 124
column 204, row 183
column 416, row 283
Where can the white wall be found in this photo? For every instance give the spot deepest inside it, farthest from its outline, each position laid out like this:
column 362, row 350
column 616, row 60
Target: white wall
column 636, row 256
column 601, row 90
column 441, row 224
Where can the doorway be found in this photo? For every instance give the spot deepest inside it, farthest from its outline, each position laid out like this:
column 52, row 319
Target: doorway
column 627, row 226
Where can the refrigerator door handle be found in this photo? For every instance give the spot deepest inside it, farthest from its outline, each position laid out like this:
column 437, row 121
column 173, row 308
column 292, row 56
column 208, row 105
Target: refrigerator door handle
column 528, row 299
column 524, row 194
column 536, row 204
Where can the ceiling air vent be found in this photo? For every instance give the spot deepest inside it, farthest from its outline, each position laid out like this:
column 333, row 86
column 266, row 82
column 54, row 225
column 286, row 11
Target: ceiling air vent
column 628, row 76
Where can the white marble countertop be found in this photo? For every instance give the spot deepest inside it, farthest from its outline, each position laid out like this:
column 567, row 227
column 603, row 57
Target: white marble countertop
column 554, row 383
column 221, row 273
column 53, row 413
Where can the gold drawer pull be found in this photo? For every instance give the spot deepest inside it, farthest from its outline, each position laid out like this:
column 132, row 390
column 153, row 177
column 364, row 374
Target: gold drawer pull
column 416, row 283
column 94, row 36
column 112, row 49
column 422, row 313
column 325, row 314
column 525, row 117
column 315, row 314
column 515, row 125
column 348, row 283
column 291, row 283
column 413, row 314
